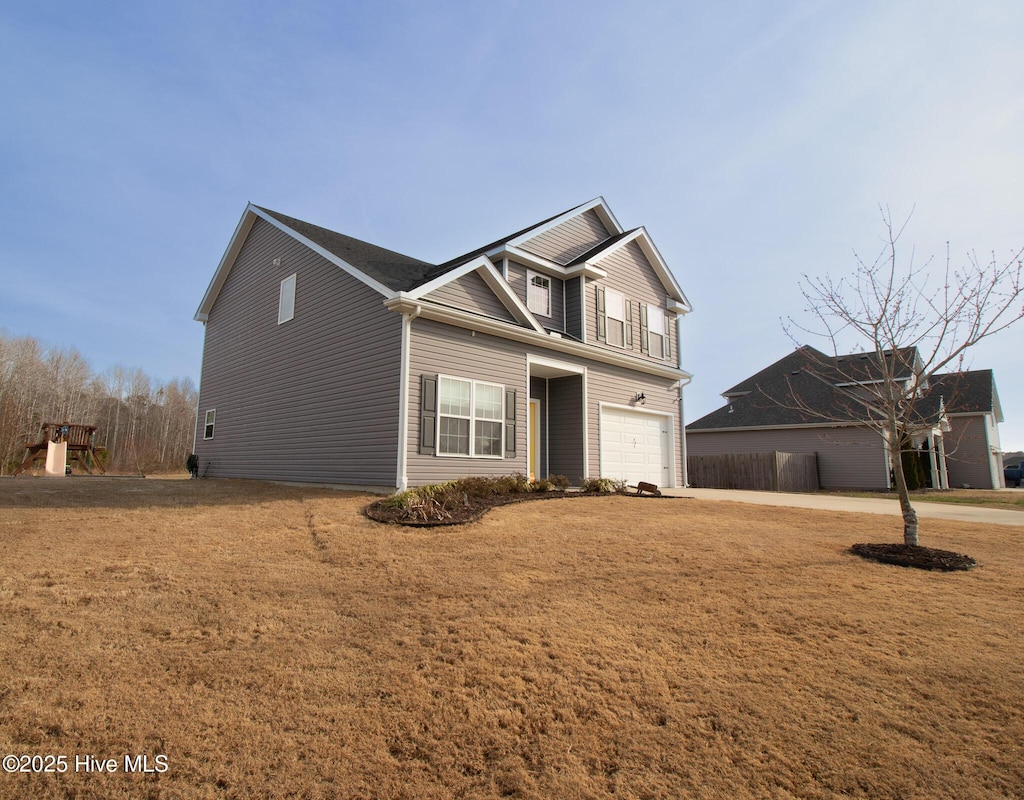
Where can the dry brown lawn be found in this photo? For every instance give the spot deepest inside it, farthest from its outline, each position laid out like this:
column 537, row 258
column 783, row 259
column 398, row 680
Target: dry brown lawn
column 270, row 641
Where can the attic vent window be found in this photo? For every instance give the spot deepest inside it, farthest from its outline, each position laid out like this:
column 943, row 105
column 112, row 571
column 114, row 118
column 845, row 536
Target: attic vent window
column 286, row 302
column 538, row 294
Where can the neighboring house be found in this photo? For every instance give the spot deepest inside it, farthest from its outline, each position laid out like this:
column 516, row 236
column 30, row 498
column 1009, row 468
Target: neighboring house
column 808, row 402
column 552, row 351
column 972, row 447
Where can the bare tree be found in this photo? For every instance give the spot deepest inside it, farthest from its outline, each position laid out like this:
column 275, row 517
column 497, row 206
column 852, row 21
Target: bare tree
column 911, row 322
column 144, row 426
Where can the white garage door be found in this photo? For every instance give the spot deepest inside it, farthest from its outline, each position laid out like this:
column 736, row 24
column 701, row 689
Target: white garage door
column 635, row 446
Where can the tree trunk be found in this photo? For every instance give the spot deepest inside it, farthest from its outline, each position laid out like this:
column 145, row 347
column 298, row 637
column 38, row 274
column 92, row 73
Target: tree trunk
column 896, row 460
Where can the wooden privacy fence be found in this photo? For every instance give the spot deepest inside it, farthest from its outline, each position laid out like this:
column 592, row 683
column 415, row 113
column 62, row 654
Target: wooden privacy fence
column 772, row 472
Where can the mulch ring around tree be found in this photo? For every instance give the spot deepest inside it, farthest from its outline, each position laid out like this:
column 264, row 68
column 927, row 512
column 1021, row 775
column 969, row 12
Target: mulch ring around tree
column 473, row 508
column 905, row 555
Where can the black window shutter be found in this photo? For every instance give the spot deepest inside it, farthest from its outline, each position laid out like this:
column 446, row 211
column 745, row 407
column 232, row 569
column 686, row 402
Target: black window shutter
column 645, row 341
column 510, row 423
column 601, row 321
column 629, row 324
column 428, row 415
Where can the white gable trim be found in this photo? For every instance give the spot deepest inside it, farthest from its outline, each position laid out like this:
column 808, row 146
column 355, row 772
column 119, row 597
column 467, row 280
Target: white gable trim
column 543, row 265
column 646, row 244
column 404, row 304
column 242, row 230
column 226, row 261
column 485, row 268
column 599, row 206
column 356, row 273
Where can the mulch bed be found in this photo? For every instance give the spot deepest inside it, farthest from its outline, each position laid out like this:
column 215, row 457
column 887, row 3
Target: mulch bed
column 473, row 508
column 905, row 555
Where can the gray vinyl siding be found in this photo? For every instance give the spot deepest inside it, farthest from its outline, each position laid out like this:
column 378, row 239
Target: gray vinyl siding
column 444, row 349
column 630, row 273
column 565, row 426
column 967, row 453
column 436, row 348
column 517, row 280
column 313, row 399
column 471, row 293
column 610, row 384
column 573, row 307
column 848, row 458
column 563, row 243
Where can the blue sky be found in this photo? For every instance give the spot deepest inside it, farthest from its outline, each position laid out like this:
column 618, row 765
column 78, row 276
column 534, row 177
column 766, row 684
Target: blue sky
column 754, row 140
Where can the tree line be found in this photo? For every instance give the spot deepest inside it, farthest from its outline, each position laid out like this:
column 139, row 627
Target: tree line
column 146, row 426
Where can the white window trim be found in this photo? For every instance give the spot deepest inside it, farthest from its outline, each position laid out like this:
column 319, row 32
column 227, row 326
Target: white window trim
column 208, row 424
column 286, row 300
column 472, row 419
column 530, row 303
column 608, row 318
column 653, row 313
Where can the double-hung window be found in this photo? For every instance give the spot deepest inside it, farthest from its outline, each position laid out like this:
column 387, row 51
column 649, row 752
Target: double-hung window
column 615, row 316
column 211, row 418
column 538, row 294
column 656, row 330
column 470, row 418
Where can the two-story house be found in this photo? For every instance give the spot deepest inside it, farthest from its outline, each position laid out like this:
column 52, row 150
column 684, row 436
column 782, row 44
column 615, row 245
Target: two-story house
column 552, row 351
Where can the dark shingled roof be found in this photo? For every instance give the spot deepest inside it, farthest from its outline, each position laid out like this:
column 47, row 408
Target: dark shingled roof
column 971, row 392
column 458, row 260
column 800, row 389
column 396, row 271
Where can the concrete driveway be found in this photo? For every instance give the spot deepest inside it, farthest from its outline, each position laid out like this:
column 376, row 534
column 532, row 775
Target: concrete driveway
column 864, row 505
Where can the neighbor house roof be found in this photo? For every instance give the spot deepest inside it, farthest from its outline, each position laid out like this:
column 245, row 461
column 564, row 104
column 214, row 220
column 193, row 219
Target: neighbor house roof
column 968, row 392
column 809, row 387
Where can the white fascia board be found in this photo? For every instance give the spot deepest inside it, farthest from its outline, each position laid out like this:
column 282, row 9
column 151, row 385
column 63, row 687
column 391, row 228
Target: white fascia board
column 540, row 264
column 403, row 304
column 598, row 204
column 234, row 247
column 356, row 273
column 646, row 244
column 528, row 259
column 447, row 277
column 486, row 269
column 226, row 262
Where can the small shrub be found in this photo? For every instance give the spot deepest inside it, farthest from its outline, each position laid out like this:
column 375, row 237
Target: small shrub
column 516, row 483
column 543, row 485
column 433, row 503
column 560, row 482
column 603, row 486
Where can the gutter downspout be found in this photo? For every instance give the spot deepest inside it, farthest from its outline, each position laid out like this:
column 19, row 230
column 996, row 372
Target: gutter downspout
column 682, row 406
column 682, row 429
column 199, row 389
column 402, row 480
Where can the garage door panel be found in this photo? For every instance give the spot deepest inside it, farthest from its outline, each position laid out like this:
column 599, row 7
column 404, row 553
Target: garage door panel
column 635, row 446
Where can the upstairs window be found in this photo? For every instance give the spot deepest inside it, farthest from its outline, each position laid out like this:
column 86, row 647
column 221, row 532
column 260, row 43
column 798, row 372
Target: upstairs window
column 286, row 302
column 615, row 316
column 538, row 294
column 656, row 328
